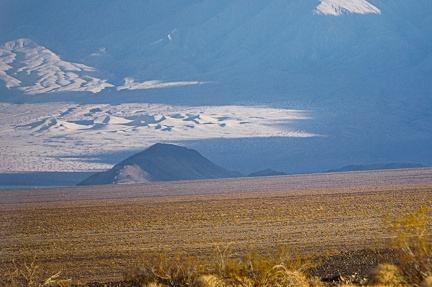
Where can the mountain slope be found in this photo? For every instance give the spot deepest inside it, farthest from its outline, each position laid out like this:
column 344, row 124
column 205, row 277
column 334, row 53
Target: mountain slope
column 161, row 162
column 361, row 68
column 189, row 39
column 34, row 69
column 253, row 46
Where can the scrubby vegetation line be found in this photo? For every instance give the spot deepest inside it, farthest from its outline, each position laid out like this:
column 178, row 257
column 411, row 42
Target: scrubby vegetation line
column 408, row 263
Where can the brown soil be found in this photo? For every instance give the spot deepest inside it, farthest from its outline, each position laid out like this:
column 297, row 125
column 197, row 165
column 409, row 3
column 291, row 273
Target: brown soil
column 95, row 234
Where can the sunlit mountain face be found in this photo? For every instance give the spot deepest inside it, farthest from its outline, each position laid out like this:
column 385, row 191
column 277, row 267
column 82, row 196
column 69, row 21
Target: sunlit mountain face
column 294, row 85
column 33, row 69
column 339, row 7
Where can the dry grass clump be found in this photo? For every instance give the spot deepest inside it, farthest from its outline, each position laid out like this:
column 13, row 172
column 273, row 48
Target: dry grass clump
column 226, row 269
column 387, row 275
column 280, row 267
column 427, row 282
column 412, row 242
column 207, row 280
column 164, row 269
column 281, row 276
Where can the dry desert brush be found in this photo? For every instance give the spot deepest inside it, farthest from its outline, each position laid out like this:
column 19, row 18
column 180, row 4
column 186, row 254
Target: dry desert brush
column 228, row 267
column 412, row 242
column 279, row 267
column 164, row 269
column 29, row 274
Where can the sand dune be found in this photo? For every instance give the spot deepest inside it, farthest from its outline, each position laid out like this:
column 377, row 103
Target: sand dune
column 130, row 84
column 72, row 137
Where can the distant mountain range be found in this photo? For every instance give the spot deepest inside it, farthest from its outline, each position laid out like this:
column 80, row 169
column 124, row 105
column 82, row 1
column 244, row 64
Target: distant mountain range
column 234, row 44
column 168, row 162
column 377, row 167
column 161, row 162
column 302, row 86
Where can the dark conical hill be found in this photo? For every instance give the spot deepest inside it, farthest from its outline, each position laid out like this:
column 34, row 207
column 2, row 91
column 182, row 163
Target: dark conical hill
column 161, row 162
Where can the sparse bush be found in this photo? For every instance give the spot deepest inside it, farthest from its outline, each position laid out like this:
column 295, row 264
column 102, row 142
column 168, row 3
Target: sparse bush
column 28, row 275
column 280, row 276
column 427, row 282
column 226, row 269
column 412, row 243
column 164, row 270
column 278, row 268
column 386, row 275
column 208, row 281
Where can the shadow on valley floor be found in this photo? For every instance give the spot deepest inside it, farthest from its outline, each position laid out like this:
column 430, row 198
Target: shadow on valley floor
column 41, row 179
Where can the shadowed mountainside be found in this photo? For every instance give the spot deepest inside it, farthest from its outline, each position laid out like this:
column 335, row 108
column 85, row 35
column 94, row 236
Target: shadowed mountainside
column 266, row 172
column 360, row 69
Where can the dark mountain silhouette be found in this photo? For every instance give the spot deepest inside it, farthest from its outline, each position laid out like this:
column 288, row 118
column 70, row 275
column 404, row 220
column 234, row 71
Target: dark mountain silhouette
column 266, row 172
column 377, row 167
column 161, row 162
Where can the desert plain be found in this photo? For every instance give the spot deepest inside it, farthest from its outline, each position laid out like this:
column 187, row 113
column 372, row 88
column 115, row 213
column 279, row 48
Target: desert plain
column 97, row 233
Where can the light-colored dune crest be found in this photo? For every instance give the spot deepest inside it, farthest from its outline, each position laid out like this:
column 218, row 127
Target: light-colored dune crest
column 339, row 7
column 33, row 69
column 71, row 136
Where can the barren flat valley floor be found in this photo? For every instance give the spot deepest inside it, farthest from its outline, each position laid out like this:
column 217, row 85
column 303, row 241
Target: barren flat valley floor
column 95, row 233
